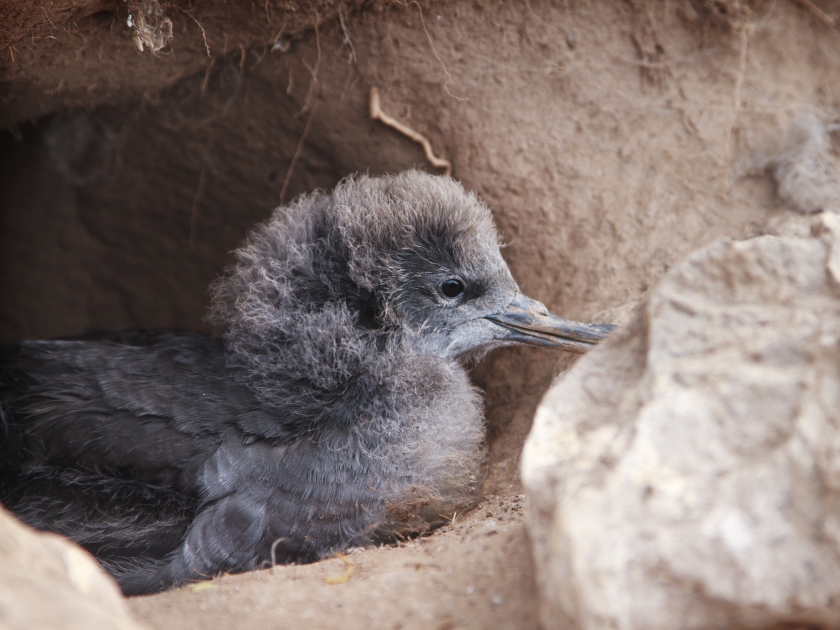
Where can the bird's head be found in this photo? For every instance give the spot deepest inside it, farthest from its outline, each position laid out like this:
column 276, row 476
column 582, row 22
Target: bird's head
column 412, row 257
column 429, row 253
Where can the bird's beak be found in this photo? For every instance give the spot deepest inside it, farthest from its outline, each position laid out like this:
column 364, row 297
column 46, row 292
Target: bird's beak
column 528, row 321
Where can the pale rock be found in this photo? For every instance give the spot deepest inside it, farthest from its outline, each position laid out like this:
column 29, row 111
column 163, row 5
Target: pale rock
column 686, row 474
column 47, row 582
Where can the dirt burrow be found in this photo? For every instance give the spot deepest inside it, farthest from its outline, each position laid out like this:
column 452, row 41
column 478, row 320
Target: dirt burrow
column 604, row 136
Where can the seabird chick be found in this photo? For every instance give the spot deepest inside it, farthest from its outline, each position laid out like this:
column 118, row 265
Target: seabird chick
column 331, row 410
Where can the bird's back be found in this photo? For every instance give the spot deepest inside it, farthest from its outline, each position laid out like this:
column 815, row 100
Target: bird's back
column 101, row 438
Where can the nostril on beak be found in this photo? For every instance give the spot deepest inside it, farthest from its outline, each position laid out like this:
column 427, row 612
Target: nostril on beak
column 534, row 307
column 541, row 309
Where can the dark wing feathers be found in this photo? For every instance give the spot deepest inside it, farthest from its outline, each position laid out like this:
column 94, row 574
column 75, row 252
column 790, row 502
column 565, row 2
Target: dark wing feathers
column 109, row 516
column 107, row 403
column 136, row 445
column 104, row 439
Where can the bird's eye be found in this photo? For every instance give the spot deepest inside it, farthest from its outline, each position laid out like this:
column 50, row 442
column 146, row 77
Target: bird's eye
column 452, row 288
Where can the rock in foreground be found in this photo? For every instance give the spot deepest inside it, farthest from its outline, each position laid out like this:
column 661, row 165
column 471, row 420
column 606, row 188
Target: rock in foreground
column 687, row 473
column 47, row 582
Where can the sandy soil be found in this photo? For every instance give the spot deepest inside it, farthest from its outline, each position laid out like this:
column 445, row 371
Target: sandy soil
column 604, row 135
column 473, row 574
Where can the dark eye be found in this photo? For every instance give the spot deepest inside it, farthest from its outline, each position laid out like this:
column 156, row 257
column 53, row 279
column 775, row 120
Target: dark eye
column 452, row 288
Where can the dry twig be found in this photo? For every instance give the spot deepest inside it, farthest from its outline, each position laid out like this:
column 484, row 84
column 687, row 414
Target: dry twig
column 377, row 114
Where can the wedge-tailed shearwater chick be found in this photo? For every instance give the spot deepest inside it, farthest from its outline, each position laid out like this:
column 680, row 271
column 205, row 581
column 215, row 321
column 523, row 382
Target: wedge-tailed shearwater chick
column 332, row 410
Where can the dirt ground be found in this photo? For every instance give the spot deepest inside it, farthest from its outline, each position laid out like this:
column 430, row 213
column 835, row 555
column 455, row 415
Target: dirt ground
column 473, row 574
column 611, row 139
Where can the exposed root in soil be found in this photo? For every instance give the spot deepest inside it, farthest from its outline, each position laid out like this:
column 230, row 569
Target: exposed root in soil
column 313, row 82
column 377, row 114
column 152, row 29
column 199, row 193
column 47, row 15
column 203, row 32
column 437, row 56
column 260, row 58
column 742, row 67
column 207, row 75
column 296, row 156
column 347, row 41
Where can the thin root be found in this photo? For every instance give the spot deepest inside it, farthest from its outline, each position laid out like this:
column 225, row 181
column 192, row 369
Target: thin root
column 377, row 114
column 261, row 57
column 207, row 74
column 821, row 15
column 48, row 18
column 344, row 577
column 437, row 56
column 347, row 39
column 199, row 193
column 274, row 552
column 313, row 72
column 298, row 151
column 742, row 68
column 203, row 32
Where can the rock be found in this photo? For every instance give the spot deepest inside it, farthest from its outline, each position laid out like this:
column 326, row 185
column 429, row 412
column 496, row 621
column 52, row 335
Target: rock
column 48, row 582
column 686, row 474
